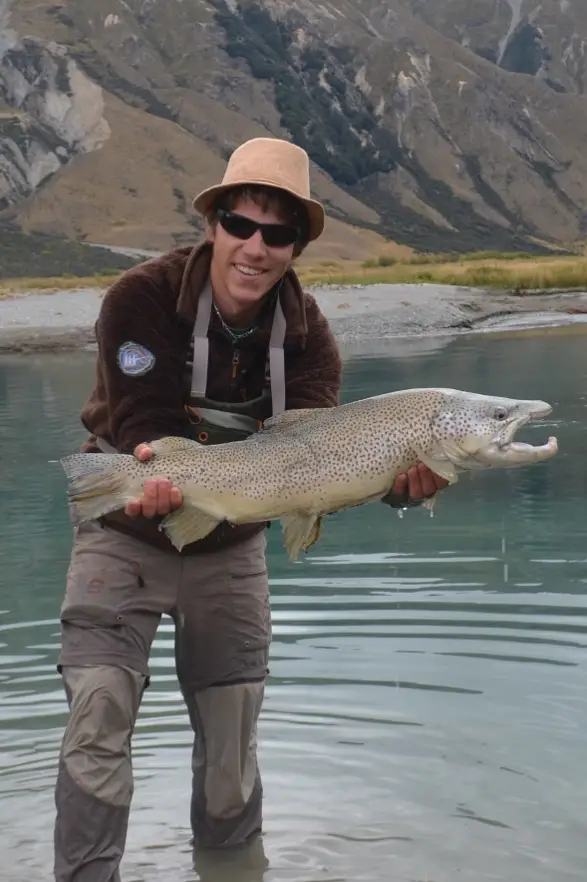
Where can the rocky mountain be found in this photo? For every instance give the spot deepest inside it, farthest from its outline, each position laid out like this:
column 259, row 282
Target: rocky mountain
column 441, row 124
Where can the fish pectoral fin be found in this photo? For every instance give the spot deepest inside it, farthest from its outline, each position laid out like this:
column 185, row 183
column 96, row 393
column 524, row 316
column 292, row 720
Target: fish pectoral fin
column 173, row 444
column 430, row 504
column 300, row 531
column 188, row 524
column 440, row 466
column 314, row 534
column 289, row 418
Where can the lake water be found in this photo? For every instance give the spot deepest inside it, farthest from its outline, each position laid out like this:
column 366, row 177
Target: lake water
column 426, row 713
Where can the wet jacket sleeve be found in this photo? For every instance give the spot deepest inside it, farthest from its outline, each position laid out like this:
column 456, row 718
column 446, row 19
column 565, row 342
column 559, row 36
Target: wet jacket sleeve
column 316, row 376
column 142, row 406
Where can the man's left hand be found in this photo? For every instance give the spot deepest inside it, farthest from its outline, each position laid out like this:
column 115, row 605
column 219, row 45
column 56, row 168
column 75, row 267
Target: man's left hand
column 414, row 486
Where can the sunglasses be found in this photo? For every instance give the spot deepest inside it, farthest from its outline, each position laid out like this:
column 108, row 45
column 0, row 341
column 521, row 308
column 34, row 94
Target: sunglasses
column 274, row 235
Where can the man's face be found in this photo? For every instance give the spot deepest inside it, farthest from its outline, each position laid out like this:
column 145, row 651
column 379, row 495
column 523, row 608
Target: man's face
column 244, row 270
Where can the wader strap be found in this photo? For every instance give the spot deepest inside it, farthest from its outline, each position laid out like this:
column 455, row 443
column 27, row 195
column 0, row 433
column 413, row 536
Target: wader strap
column 200, row 354
column 227, row 420
column 105, row 447
column 200, row 338
column 277, row 359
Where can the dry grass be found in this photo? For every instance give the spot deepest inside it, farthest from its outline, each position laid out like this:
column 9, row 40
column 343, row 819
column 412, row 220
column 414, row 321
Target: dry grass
column 507, row 272
column 9, row 287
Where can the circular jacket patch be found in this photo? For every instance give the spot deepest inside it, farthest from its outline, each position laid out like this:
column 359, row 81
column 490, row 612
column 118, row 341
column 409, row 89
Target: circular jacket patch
column 134, row 359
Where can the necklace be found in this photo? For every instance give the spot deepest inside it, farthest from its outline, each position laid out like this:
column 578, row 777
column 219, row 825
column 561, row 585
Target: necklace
column 236, row 334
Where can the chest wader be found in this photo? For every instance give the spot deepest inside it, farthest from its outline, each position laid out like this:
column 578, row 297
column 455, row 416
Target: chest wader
column 217, row 421
column 226, row 804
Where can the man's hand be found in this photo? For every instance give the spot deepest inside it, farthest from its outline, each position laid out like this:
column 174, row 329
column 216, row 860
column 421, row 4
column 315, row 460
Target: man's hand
column 159, row 495
column 414, row 486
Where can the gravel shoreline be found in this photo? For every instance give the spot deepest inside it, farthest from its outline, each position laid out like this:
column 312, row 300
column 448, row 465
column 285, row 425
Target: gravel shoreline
column 359, row 315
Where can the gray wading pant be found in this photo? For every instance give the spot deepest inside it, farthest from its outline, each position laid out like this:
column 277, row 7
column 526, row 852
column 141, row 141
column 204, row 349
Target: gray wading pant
column 117, row 590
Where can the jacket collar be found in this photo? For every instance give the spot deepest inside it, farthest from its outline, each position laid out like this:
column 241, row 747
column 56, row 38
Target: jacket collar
column 292, row 297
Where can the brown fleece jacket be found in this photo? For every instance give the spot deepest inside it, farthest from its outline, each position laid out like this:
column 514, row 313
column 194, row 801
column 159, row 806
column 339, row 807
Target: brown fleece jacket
column 154, row 304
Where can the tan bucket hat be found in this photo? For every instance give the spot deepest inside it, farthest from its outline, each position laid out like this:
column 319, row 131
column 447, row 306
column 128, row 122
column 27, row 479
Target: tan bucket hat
column 274, row 163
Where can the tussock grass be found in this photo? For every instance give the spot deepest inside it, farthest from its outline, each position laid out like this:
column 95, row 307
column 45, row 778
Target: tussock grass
column 9, row 287
column 506, row 272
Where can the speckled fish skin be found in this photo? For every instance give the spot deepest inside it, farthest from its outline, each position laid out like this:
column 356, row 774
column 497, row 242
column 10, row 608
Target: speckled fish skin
column 305, row 464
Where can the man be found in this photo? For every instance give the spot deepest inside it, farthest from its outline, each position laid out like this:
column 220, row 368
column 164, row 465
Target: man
column 204, row 342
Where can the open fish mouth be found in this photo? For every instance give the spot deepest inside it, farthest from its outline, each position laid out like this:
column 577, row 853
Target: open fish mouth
column 506, row 442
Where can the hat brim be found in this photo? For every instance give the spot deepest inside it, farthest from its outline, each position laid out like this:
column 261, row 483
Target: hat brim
column 203, row 203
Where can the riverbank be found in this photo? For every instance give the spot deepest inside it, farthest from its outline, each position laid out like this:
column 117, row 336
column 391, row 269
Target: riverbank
column 64, row 320
column 514, row 272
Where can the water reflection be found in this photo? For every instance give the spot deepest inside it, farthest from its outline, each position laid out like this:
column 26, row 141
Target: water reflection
column 426, row 708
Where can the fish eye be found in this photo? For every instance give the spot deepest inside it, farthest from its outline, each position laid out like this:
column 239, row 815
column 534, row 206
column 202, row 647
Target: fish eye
column 500, row 413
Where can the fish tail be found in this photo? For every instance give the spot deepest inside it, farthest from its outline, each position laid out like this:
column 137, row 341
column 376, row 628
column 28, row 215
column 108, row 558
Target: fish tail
column 95, row 485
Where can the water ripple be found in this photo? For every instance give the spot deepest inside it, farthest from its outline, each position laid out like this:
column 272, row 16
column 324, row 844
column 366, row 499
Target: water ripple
column 426, row 706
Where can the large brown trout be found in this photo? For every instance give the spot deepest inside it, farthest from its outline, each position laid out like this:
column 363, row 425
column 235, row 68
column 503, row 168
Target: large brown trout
column 304, row 464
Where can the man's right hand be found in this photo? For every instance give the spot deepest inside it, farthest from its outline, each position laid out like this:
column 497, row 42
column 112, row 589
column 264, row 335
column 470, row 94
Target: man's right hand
column 159, row 495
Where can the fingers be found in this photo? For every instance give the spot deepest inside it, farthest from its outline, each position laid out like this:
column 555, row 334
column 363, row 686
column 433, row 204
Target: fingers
column 419, row 482
column 400, row 485
column 159, row 498
column 133, row 509
column 156, row 497
column 143, row 452
column 416, row 482
column 175, row 499
column 424, row 483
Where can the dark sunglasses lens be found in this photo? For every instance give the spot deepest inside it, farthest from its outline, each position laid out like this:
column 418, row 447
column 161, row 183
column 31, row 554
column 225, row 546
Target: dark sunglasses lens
column 238, row 226
column 274, row 235
column 279, row 235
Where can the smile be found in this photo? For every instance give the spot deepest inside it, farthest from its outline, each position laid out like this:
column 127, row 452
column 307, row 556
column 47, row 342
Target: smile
column 248, row 270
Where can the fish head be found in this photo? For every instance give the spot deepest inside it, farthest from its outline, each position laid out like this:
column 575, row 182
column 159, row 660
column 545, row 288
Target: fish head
column 476, row 431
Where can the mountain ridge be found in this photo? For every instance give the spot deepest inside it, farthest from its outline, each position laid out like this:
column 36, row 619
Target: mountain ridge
column 462, row 131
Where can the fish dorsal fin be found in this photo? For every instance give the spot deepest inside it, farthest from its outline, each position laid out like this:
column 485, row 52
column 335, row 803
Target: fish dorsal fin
column 290, row 418
column 173, row 444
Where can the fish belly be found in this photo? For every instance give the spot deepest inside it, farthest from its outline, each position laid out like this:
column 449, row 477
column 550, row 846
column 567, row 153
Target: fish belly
column 296, row 480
